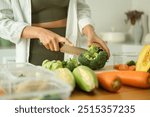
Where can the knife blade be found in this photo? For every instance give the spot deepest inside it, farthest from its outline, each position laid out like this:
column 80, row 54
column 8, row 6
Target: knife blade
column 71, row 49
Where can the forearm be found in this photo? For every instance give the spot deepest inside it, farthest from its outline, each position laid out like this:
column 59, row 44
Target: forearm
column 92, row 37
column 89, row 31
column 31, row 32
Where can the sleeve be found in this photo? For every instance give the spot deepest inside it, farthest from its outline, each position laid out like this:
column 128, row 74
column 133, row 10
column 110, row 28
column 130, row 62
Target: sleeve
column 9, row 28
column 84, row 14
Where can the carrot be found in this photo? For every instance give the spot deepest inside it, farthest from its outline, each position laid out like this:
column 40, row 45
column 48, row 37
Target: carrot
column 121, row 67
column 124, row 67
column 2, row 91
column 135, row 78
column 117, row 66
column 132, row 68
column 109, row 81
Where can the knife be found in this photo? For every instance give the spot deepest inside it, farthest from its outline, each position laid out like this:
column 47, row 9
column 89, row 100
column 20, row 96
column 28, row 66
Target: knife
column 71, row 49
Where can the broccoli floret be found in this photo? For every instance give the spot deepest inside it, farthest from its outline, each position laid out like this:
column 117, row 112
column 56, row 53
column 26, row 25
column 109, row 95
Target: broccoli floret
column 44, row 62
column 52, row 65
column 95, row 58
column 130, row 63
column 84, row 59
column 48, row 64
column 56, row 65
column 94, row 49
column 71, row 64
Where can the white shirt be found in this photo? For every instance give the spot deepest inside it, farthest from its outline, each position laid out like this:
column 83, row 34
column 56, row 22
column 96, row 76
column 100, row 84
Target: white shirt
column 15, row 15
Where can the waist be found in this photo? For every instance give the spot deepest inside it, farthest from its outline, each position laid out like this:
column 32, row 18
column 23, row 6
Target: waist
column 49, row 15
column 52, row 24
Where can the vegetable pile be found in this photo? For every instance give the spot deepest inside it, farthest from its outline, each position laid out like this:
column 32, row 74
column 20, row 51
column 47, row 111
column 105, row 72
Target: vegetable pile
column 95, row 58
column 53, row 65
column 133, row 73
column 129, row 66
column 137, row 79
column 80, row 70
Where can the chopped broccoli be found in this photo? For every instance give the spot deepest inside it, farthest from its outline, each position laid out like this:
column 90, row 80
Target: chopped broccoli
column 56, row 65
column 71, row 64
column 94, row 49
column 52, row 65
column 94, row 58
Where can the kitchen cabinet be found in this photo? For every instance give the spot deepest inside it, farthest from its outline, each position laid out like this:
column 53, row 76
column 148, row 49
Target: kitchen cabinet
column 122, row 48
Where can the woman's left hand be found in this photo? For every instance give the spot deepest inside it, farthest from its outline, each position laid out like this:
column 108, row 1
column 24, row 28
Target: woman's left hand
column 93, row 38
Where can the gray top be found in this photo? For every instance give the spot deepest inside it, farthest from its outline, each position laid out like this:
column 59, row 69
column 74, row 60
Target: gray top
column 49, row 10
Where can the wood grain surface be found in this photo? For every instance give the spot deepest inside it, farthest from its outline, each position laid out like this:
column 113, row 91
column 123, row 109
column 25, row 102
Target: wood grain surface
column 125, row 93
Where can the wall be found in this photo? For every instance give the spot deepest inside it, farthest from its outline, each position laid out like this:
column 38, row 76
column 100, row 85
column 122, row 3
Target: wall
column 143, row 5
column 109, row 13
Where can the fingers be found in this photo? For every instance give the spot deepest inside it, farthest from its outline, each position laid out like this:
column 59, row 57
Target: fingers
column 104, row 46
column 50, row 40
column 100, row 43
column 55, row 45
column 49, row 45
column 66, row 41
column 46, row 46
column 52, row 45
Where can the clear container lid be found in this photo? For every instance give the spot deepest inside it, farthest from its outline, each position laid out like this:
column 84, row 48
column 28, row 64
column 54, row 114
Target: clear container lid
column 26, row 81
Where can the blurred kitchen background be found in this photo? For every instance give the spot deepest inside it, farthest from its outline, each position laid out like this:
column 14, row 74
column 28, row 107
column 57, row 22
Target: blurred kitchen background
column 111, row 24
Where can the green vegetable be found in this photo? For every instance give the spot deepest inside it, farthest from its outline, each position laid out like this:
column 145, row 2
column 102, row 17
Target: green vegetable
column 67, row 76
column 56, row 65
column 85, row 78
column 52, row 65
column 70, row 64
column 94, row 58
column 130, row 63
column 94, row 49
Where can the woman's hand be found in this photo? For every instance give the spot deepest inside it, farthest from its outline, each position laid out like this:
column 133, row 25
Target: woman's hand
column 51, row 40
column 48, row 38
column 94, row 39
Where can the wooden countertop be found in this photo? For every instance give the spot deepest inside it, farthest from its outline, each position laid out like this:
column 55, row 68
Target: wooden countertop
column 125, row 93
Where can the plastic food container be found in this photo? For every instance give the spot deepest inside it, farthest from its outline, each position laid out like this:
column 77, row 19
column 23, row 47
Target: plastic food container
column 124, row 57
column 26, row 81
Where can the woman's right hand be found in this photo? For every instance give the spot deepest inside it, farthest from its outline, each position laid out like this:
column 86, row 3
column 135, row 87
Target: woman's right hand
column 51, row 40
column 48, row 38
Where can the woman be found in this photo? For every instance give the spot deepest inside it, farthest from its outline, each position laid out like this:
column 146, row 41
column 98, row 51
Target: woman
column 38, row 26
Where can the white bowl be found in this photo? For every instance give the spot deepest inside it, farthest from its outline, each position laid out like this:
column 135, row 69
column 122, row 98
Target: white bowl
column 115, row 37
